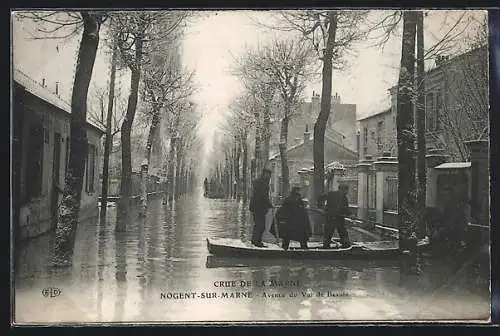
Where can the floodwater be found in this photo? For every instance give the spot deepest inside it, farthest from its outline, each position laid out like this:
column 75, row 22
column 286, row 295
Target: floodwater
column 160, row 271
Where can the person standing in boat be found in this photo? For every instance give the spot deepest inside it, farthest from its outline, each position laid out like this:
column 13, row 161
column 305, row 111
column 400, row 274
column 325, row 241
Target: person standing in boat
column 293, row 221
column 337, row 208
column 260, row 205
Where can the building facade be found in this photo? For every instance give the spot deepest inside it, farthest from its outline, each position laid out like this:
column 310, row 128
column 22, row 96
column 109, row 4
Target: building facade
column 300, row 156
column 41, row 126
column 341, row 123
column 456, row 109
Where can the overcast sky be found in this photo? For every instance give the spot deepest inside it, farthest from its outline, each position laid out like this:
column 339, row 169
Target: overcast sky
column 207, row 49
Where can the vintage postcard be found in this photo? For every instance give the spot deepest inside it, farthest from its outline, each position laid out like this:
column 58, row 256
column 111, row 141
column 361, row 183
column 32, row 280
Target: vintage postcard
column 247, row 166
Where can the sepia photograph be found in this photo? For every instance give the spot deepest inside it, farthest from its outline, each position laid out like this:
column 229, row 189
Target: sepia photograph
column 250, row 166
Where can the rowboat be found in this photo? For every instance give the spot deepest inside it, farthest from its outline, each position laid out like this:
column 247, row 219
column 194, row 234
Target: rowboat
column 377, row 250
column 213, row 261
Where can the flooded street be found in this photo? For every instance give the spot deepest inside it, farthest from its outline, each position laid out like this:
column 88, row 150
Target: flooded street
column 158, row 271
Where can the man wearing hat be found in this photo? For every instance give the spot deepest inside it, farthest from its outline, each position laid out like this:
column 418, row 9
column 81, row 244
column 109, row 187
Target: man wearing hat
column 337, row 208
column 260, row 205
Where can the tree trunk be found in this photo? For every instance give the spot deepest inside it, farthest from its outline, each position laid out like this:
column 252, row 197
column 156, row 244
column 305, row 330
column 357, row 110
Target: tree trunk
column 283, row 154
column 244, row 173
column 153, row 129
column 420, row 115
column 172, row 168
column 237, row 170
column 70, row 208
column 253, row 170
column 178, row 171
column 109, row 136
column 405, row 133
column 321, row 122
column 257, row 152
column 266, row 134
column 126, row 178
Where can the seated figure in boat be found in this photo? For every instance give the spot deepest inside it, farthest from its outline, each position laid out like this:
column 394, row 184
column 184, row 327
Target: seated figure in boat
column 336, row 209
column 292, row 220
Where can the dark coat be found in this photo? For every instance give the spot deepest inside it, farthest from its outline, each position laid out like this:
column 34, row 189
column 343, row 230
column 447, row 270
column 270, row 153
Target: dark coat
column 337, row 204
column 260, row 201
column 292, row 220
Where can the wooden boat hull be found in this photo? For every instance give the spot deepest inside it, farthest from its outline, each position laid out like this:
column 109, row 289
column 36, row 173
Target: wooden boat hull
column 227, row 247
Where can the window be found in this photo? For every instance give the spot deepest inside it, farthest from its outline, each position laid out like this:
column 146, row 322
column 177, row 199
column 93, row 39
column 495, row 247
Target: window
column 90, row 169
column 429, row 111
column 380, row 134
column 438, row 110
column 365, row 140
column 34, row 159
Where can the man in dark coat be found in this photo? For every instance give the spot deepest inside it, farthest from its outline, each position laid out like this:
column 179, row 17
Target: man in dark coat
column 293, row 221
column 259, row 206
column 337, row 208
column 205, row 185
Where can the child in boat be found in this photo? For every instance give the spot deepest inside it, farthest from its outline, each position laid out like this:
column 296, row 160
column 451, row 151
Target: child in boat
column 292, row 220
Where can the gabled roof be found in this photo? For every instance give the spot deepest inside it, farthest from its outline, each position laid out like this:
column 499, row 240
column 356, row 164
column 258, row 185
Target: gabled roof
column 454, row 165
column 276, row 155
column 376, row 114
column 36, row 89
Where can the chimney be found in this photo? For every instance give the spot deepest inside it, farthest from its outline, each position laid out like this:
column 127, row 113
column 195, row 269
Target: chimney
column 440, row 60
column 307, row 134
column 336, row 99
column 57, row 88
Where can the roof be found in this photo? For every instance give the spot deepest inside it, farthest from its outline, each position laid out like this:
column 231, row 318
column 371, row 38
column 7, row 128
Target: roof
column 331, row 165
column 454, row 165
column 43, row 93
column 376, row 114
column 276, row 155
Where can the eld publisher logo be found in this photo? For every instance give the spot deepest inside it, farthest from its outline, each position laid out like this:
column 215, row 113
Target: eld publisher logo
column 51, row 292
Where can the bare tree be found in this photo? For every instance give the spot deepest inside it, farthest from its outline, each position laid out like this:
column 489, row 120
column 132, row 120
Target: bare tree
column 289, row 63
column 331, row 34
column 463, row 114
column 138, row 33
column 164, row 82
column 239, row 123
column 69, row 24
column 261, row 85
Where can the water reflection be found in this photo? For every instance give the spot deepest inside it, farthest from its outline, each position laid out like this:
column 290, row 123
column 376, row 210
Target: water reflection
column 122, row 276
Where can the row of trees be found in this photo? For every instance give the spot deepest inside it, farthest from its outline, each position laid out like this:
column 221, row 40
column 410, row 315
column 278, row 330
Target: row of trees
column 274, row 77
column 146, row 45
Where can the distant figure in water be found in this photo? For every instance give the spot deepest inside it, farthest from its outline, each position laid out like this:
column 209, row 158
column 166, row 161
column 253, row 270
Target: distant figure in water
column 205, row 185
column 259, row 206
column 293, row 221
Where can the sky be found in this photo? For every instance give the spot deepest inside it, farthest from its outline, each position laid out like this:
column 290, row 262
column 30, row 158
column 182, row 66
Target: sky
column 210, row 43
